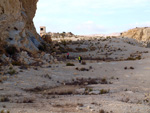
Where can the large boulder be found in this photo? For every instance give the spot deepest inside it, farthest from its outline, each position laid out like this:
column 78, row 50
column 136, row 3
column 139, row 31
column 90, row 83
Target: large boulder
column 16, row 24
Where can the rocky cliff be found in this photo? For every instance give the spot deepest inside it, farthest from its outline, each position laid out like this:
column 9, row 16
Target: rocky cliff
column 16, row 25
column 142, row 34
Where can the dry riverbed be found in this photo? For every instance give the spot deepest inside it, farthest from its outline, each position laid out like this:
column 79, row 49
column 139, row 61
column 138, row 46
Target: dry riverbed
column 97, row 87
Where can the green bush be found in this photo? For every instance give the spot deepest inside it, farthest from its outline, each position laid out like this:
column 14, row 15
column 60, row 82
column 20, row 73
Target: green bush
column 103, row 91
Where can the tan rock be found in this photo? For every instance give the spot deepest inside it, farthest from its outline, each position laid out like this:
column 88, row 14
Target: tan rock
column 16, row 24
column 142, row 34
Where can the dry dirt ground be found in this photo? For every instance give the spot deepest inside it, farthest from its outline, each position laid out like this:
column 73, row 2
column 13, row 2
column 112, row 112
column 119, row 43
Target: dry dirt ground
column 96, row 87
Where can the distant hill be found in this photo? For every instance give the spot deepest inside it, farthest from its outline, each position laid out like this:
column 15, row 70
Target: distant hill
column 138, row 33
column 105, row 35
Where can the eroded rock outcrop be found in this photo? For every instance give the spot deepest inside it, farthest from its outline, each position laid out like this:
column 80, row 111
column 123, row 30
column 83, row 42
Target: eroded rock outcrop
column 16, row 25
column 142, row 34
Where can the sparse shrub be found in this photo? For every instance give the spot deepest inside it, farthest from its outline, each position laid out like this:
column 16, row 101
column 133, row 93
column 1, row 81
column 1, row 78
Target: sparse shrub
column 86, row 89
column 11, row 50
column 138, row 57
column 90, row 89
column 125, row 68
column 70, row 64
column 77, row 68
column 112, row 77
column 16, row 63
column 47, row 38
column 92, row 48
column 131, row 67
column 12, row 72
column 134, row 58
column 25, row 100
column 80, row 104
column 36, row 89
column 83, row 63
column 4, row 99
column 128, row 68
column 4, row 111
column 64, row 42
column 63, row 50
column 81, row 49
column 103, row 91
column 90, row 67
column 28, row 100
column 10, row 67
column 70, row 50
column 24, row 67
column 84, row 69
column 131, row 58
column 104, row 81
column 47, row 76
column 101, row 111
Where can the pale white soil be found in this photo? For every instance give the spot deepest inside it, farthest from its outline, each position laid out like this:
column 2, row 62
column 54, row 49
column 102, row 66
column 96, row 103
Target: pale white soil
column 128, row 86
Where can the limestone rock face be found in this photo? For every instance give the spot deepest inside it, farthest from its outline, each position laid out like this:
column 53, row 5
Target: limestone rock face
column 142, row 34
column 16, row 25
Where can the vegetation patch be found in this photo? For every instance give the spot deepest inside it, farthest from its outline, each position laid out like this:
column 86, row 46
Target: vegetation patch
column 70, row 64
column 11, row 50
column 26, row 100
column 12, row 72
column 87, row 81
column 16, row 63
column 81, row 49
column 83, row 63
column 4, row 111
column 4, row 99
column 134, row 58
column 104, row 91
column 36, row 89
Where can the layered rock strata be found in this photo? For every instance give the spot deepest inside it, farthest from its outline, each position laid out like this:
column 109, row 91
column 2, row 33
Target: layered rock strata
column 16, row 24
column 142, row 34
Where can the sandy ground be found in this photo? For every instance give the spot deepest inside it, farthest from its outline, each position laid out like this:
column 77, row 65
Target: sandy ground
column 97, row 87
column 128, row 90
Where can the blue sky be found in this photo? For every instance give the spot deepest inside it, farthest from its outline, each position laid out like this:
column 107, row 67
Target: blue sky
column 85, row 17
